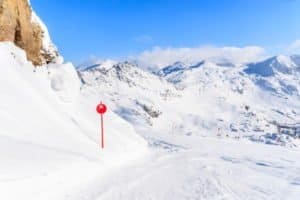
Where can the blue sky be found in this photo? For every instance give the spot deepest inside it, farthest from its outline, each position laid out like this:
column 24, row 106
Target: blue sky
column 119, row 28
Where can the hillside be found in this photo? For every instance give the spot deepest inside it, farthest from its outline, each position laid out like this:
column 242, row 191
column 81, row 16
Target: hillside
column 48, row 129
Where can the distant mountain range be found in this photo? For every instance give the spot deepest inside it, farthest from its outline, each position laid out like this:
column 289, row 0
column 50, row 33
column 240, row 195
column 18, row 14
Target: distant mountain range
column 203, row 97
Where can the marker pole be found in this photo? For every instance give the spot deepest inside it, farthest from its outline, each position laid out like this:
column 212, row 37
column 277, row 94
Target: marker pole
column 102, row 132
column 101, row 109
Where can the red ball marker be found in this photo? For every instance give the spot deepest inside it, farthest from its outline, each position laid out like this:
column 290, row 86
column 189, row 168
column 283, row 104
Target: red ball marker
column 101, row 109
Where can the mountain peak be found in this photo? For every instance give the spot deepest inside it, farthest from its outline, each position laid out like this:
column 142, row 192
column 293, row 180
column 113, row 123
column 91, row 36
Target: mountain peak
column 103, row 64
column 285, row 60
column 281, row 63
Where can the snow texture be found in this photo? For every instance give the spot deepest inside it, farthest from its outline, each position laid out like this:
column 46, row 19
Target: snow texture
column 205, row 131
column 49, row 133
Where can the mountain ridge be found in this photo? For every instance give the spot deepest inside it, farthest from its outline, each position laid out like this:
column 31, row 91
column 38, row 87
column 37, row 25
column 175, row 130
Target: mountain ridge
column 225, row 88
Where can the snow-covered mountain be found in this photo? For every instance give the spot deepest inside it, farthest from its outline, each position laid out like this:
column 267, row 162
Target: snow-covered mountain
column 203, row 107
column 278, row 75
column 135, row 94
column 50, row 139
column 185, row 135
column 278, row 64
column 203, row 98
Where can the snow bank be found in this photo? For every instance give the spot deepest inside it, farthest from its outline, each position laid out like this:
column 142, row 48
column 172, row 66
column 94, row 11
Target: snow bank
column 49, row 132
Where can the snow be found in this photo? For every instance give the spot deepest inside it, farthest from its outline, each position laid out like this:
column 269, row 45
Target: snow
column 104, row 64
column 286, row 60
column 64, row 81
column 211, row 138
column 201, row 132
column 208, row 168
column 197, row 99
column 49, row 137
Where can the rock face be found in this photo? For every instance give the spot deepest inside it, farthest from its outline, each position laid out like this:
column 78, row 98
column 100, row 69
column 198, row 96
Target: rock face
column 20, row 25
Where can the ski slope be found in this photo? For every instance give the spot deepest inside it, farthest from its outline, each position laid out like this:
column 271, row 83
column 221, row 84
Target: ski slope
column 49, row 133
column 203, row 139
column 207, row 168
column 49, row 146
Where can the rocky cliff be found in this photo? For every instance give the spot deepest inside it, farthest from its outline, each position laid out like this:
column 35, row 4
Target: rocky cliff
column 20, row 25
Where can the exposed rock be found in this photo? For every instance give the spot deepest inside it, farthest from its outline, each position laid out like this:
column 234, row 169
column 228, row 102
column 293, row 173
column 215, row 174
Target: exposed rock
column 19, row 24
column 150, row 110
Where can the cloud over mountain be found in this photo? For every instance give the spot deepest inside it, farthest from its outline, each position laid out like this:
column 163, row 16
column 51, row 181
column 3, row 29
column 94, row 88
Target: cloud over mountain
column 159, row 57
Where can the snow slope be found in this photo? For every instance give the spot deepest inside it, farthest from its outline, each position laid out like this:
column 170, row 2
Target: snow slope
column 49, row 131
column 49, row 146
column 208, row 169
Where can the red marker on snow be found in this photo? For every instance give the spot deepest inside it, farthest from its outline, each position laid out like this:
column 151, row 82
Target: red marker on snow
column 101, row 109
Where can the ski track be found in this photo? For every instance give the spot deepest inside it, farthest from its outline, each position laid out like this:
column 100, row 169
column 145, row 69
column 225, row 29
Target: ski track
column 197, row 173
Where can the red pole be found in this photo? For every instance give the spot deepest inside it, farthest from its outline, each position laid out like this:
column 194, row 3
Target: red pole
column 101, row 109
column 102, row 132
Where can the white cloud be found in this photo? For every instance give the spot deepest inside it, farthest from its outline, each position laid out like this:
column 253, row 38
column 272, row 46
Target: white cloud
column 294, row 48
column 160, row 57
